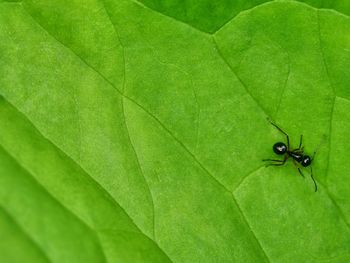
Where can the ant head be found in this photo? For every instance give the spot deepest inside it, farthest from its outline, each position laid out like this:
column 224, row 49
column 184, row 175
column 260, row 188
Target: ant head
column 306, row 161
column 279, row 148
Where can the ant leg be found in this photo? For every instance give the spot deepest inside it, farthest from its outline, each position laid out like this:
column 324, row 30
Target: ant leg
column 301, row 172
column 273, row 160
column 312, row 177
column 278, row 128
column 277, row 162
column 274, row 164
column 313, row 155
column 301, row 141
column 300, row 151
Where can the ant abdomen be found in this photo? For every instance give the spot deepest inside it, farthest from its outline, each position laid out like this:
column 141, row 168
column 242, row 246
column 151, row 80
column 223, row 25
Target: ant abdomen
column 306, row 161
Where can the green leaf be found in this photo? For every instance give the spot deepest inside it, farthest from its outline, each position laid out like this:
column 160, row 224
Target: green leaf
column 210, row 16
column 134, row 132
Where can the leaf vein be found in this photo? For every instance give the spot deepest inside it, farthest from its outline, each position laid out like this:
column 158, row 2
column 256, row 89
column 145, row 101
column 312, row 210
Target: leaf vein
column 285, row 82
column 249, row 227
column 126, row 125
column 141, row 171
column 54, row 198
column 25, row 233
column 238, row 78
column 332, row 88
column 169, row 17
column 334, row 202
column 77, row 110
column 246, row 176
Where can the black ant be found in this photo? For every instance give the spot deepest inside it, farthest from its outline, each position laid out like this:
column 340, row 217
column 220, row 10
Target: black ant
column 297, row 154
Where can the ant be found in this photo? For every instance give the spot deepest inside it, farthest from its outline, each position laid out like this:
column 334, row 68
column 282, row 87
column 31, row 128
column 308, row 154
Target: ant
column 297, row 155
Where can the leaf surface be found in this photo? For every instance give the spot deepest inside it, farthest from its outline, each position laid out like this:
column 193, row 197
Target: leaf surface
column 134, row 135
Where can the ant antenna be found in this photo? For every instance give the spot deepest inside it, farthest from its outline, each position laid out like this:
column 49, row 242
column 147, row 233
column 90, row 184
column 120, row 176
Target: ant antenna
column 313, row 179
column 282, row 131
column 313, row 156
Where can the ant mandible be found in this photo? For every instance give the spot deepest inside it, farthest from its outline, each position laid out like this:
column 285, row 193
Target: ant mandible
column 297, row 155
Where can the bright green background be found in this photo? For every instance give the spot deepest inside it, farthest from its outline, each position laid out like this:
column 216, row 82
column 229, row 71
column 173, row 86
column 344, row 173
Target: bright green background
column 134, row 132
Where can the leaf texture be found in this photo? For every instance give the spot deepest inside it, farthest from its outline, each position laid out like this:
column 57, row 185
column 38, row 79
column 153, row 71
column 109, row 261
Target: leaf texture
column 134, row 131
